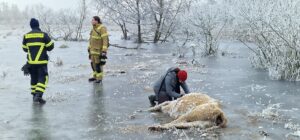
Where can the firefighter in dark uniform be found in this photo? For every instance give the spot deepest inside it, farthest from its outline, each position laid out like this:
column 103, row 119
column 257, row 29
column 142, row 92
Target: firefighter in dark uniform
column 36, row 44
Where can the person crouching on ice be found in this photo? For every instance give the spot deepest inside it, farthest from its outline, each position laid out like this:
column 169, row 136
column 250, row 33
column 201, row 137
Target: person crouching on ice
column 167, row 88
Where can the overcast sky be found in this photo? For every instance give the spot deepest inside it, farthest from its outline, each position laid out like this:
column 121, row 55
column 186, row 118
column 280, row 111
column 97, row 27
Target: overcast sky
column 54, row 4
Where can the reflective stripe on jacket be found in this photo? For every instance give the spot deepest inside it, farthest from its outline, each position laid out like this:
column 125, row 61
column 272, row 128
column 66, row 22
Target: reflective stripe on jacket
column 36, row 43
column 98, row 41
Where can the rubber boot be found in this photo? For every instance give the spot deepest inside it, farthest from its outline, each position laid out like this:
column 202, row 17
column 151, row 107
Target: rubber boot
column 38, row 97
column 152, row 99
column 33, row 94
column 92, row 79
column 98, row 81
column 35, row 97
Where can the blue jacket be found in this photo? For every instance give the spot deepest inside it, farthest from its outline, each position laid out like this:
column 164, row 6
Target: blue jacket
column 168, row 83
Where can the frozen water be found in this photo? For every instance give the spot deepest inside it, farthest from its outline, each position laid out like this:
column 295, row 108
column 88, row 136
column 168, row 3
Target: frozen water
column 77, row 109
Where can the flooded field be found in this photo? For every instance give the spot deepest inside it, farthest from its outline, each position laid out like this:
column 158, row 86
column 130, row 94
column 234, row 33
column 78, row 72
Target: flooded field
column 256, row 107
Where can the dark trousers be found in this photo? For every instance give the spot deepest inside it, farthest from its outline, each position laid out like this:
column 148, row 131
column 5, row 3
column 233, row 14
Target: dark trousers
column 39, row 78
column 162, row 96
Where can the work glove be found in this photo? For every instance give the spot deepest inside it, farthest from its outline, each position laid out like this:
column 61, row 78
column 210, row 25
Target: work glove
column 103, row 58
column 25, row 69
column 103, row 55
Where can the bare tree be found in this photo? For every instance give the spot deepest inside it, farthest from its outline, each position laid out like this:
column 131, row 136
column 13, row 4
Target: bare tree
column 65, row 24
column 129, row 12
column 164, row 13
column 274, row 28
column 115, row 11
column 10, row 13
column 207, row 23
column 82, row 17
column 138, row 10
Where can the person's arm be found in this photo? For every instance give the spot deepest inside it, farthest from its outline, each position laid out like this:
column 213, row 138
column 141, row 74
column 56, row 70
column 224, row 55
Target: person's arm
column 89, row 47
column 185, row 88
column 24, row 47
column 169, row 88
column 49, row 43
column 104, row 36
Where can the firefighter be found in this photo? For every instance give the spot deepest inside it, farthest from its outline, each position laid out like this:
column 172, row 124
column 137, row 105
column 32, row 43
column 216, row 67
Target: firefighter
column 167, row 88
column 98, row 44
column 36, row 44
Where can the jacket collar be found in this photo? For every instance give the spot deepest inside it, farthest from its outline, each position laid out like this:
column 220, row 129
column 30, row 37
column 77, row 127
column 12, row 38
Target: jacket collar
column 36, row 29
column 96, row 26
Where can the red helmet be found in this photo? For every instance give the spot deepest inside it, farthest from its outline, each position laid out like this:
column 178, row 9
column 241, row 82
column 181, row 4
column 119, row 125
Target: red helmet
column 182, row 75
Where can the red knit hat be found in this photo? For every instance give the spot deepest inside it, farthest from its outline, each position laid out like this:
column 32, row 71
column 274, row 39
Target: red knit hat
column 182, row 75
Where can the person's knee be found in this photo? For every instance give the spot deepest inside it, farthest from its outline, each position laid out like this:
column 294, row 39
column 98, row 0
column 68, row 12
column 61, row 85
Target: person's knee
column 152, row 97
column 98, row 68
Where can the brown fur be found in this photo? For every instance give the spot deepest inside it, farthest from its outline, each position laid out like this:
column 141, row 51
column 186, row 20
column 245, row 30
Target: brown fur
column 191, row 110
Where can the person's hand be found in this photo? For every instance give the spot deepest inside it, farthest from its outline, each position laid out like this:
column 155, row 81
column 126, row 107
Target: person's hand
column 182, row 94
column 103, row 55
column 25, row 69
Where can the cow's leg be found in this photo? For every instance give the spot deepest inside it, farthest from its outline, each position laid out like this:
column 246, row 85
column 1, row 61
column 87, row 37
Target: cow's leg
column 197, row 124
column 182, row 125
column 158, row 108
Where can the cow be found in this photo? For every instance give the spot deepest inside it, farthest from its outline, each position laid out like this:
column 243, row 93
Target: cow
column 191, row 110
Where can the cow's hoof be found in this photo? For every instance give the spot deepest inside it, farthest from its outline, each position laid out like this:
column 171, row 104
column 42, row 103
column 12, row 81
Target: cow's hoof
column 155, row 128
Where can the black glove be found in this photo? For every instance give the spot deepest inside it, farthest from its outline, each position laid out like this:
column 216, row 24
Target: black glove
column 26, row 69
column 103, row 55
column 103, row 58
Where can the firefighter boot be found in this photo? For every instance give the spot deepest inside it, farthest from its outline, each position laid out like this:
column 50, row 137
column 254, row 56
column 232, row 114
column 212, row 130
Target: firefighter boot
column 38, row 98
column 98, row 81
column 152, row 99
column 92, row 79
column 34, row 97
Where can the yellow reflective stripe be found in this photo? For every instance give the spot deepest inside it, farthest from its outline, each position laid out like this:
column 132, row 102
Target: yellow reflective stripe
column 46, row 82
column 29, row 55
column 92, row 52
column 104, row 48
column 25, row 47
column 99, row 74
column 96, row 37
column 41, row 45
column 39, row 89
column 49, row 44
column 104, row 35
column 34, row 35
column 41, row 85
column 39, row 53
column 38, row 62
column 35, row 44
column 32, row 90
column 33, row 86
